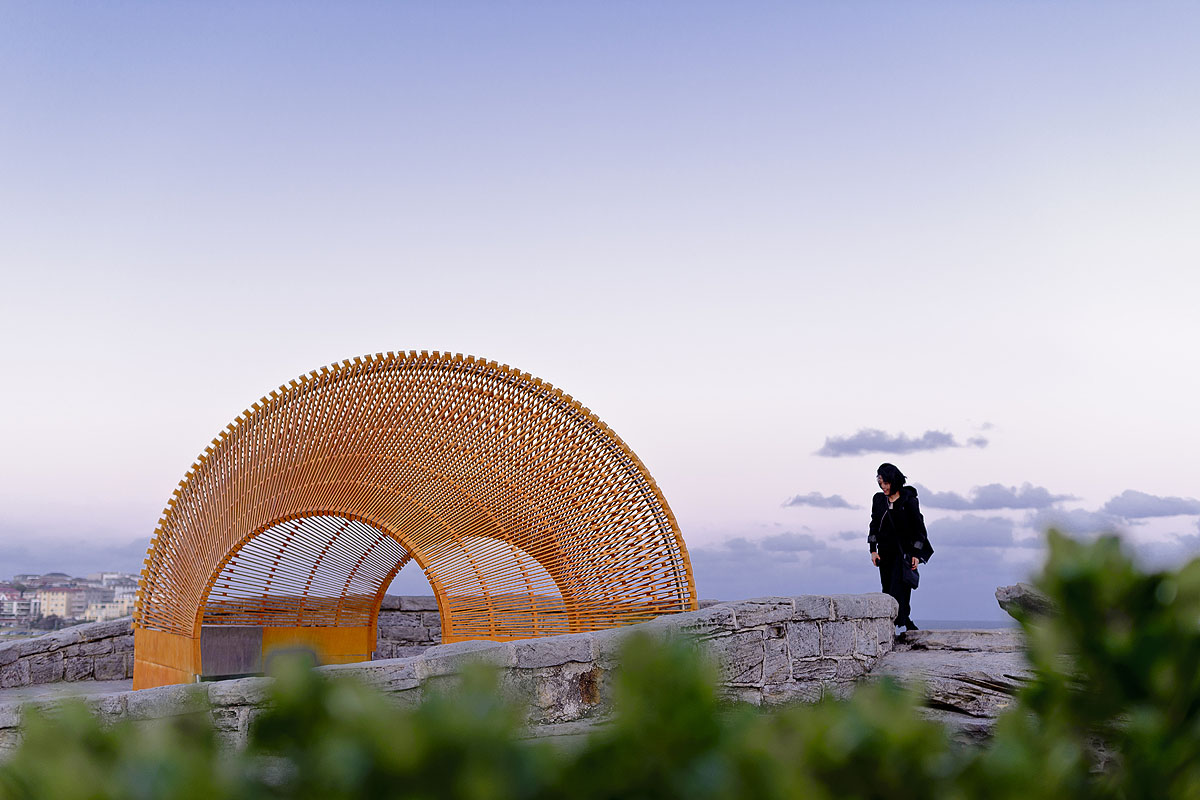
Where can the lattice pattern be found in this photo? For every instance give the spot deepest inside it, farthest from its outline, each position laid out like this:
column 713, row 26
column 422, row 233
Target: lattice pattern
column 316, row 571
column 527, row 513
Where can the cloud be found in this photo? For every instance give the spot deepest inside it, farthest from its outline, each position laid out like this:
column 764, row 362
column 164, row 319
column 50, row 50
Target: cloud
column 1076, row 521
column 791, row 543
column 958, row 584
column 993, row 496
column 77, row 558
column 1169, row 553
column 818, row 500
column 1131, row 504
column 870, row 440
column 974, row 531
column 787, row 564
column 975, row 554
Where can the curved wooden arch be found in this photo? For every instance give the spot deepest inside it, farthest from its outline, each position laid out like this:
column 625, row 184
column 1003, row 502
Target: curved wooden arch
column 527, row 513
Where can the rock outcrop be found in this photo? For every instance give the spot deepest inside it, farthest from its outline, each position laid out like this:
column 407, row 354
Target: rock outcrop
column 968, row 677
column 1023, row 599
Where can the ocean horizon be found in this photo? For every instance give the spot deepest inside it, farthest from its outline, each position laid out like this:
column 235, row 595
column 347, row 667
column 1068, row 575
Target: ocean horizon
column 965, row 624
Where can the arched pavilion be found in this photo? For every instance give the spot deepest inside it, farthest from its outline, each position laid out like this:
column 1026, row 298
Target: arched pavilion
column 529, row 516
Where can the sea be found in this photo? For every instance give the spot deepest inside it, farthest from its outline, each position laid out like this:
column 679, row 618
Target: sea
column 965, row 624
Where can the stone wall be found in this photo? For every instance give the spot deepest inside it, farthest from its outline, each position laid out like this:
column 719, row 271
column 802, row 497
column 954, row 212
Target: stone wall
column 778, row 649
column 407, row 626
column 99, row 651
column 770, row 650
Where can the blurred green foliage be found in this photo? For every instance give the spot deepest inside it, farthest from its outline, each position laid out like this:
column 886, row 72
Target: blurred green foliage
column 1113, row 712
column 1117, row 676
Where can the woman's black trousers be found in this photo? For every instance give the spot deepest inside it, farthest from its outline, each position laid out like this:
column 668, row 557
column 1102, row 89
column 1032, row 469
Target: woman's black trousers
column 893, row 584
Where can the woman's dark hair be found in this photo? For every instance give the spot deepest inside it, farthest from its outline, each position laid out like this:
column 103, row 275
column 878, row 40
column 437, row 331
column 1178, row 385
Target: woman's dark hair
column 891, row 476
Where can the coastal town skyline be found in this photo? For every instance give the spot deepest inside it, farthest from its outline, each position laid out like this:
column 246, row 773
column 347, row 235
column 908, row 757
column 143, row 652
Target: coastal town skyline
column 770, row 249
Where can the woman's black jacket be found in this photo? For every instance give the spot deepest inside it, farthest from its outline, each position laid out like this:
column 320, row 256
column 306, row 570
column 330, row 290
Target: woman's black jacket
column 903, row 524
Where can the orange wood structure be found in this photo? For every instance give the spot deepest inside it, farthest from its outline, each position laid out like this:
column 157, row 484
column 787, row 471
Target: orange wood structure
column 529, row 516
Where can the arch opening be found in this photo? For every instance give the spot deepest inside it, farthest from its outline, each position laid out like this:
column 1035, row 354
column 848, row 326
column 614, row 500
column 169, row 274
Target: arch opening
column 319, row 570
column 496, row 590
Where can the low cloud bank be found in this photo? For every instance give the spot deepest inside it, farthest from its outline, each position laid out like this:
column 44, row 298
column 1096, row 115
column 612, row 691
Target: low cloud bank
column 817, row 500
column 974, row 555
column 1169, row 553
column 870, row 440
column 73, row 556
column 1076, row 521
column 791, row 543
column 958, row 584
column 975, row 531
column 1132, row 504
column 992, row 497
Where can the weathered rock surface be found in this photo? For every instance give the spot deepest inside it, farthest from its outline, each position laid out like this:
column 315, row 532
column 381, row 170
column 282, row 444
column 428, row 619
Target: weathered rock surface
column 968, row 677
column 95, row 651
column 769, row 650
column 1023, row 598
column 988, row 640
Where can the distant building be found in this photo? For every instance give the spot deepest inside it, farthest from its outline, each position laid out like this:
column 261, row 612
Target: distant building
column 126, row 587
column 112, row 578
column 57, row 593
column 8, row 595
column 70, row 601
column 17, row 610
column 113, row 609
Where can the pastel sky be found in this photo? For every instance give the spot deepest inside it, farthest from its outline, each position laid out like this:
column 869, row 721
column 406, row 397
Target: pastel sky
column 771, row 244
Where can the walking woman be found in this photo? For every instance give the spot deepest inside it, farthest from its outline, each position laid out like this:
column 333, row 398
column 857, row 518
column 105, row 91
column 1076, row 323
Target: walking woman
column 897, row 538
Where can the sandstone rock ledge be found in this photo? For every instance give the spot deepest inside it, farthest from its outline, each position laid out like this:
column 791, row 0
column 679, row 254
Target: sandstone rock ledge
column 968, row 677
column 769, row 650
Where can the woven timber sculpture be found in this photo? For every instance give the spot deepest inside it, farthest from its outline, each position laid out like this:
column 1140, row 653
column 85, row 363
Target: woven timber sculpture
column 529, row 516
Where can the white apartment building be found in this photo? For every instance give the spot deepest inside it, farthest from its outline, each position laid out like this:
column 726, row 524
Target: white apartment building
column 18, row 610
column 71, row 601
column 113, row 609
column 111, row 579
column 124, row 587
